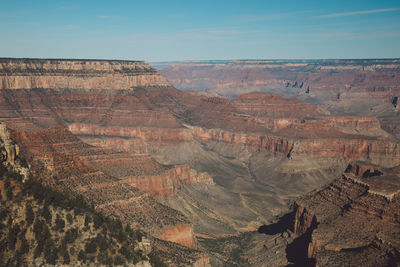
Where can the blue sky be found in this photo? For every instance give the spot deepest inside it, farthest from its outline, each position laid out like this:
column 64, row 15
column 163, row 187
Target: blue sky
column 182, row 30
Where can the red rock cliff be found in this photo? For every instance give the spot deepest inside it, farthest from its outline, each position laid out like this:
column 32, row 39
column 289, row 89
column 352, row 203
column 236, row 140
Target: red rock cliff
column 77, row 74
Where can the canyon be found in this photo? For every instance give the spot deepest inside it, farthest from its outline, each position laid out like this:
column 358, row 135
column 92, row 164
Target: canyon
column 367, row 87
column 201, row 170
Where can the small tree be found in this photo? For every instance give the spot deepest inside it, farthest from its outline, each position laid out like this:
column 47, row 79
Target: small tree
column 66, row 258
column 119, row 260
column 60, row 223
column 82, row 256
column 97, row 221
column 9, row 193
column 91, row 246
column 155, row 260
column 24, row 247
column 69, row 218
column 71, row 235
column 29, row 214
column 12, row 237
column 46, row 213
column 87, row 220
column 38, row 250
column 50, row 255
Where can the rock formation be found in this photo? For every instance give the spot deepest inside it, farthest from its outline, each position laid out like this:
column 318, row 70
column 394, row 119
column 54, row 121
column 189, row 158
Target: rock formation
column 186, row 167
column 77, row 74
column 354, row 221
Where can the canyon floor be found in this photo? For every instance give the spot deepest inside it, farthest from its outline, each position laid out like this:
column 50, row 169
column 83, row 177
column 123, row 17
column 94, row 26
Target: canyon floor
column 251, row 163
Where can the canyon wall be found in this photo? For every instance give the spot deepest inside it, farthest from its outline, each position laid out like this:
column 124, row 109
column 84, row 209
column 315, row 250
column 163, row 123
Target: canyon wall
column 62, row 161
column 119, row 134
column 77, row 74
column 131, row 120
column 354, row 222
column 241, row 76
column 351, row 87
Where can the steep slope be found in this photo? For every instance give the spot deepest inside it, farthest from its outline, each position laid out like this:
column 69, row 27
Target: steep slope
column 54, row 155
column 53, row 159
column 77, row 74
column 366, row 87
column 290, row 77
column 178, row 165
column 41, row 226
column 357, row 221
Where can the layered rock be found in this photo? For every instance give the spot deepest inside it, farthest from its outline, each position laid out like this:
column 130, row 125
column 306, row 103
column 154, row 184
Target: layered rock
column 379, row 152
column 144, row 173
column 238, row 77
column 273, row 105
column 61, row 160
column 131, row 120
column 351, row 87
column 77, row 74
column 358, row 224
column 146, row 143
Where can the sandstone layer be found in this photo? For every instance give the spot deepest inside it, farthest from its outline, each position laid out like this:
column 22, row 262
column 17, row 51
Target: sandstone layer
column 179, row 165
column 352, row 222
column 77, row 74
column 365, row 87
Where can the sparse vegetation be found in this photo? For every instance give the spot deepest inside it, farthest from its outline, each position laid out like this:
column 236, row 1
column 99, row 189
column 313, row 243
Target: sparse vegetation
column 39, row 225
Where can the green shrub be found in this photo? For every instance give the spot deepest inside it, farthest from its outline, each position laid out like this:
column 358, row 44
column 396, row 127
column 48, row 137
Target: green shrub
column 45, row 213
column 4, row 211
column 12, row 237
column 82, row 256
column 60, row 224
column 91, row 246
column 9, row 193
column 50, row 255
column 71, row 235
column 69, row 218
column 38, row 250
column 156, row 261
column 87, row 221
column 66, row 258
column 24, row 247
column 97, row 221
column 127, row 251
column 30, row 216
column 119, row 260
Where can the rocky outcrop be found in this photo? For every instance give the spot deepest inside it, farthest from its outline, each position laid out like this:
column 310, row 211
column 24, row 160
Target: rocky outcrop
column 355, row 222
column 144, row 173
column 355, row 123
column 11, row 149
column 362, row 170
column 380, row 152
column 9, row 153
column 145, row 134
column 181, row 234
column 269, row 143
column 166, row 184
column 303, row 220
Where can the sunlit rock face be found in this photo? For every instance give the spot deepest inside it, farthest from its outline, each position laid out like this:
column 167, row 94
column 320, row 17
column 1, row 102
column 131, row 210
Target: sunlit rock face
column 184, row 166
column 77, row 74
column 290, row 77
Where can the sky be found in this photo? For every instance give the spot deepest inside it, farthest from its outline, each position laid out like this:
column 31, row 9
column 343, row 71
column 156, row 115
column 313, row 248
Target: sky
column 200, row 30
